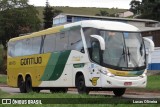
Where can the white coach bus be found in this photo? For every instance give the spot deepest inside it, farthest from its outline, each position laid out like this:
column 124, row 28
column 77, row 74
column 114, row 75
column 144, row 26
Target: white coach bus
column 89, row 55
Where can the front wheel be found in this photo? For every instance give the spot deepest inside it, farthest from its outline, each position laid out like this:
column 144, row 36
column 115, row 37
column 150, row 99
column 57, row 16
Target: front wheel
column 119, row 91
column 80, row 84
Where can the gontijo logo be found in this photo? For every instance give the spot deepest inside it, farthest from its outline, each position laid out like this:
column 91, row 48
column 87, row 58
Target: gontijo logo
column 31, row 60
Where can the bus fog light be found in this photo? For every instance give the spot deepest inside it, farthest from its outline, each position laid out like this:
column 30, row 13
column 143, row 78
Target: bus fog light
column 109, row 82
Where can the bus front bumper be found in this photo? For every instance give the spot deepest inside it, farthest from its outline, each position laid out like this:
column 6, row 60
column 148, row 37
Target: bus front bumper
column 121, row 82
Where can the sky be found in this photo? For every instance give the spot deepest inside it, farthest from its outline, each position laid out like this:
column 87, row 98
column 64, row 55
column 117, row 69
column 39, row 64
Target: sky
column 121, row 4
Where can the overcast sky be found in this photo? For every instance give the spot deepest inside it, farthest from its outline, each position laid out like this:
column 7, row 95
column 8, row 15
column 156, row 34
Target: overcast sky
column 124, row 4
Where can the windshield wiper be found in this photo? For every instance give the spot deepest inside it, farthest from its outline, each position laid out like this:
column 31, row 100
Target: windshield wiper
column 123, row 55
column 131, row 57
column 141, row 49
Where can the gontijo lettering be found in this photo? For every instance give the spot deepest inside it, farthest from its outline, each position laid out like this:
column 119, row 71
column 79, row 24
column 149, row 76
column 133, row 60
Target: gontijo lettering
column 31, row 61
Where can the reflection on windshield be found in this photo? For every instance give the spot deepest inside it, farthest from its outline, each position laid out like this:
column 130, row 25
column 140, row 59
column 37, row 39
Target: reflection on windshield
column 123, row 49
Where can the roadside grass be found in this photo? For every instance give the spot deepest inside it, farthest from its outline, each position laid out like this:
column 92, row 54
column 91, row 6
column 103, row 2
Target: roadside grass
column 3, row 79
column 62, row 95
column 84, row 105
column 3, row 94
column 153, row 84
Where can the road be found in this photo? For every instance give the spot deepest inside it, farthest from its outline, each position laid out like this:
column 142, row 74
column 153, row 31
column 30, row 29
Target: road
column 128, row 94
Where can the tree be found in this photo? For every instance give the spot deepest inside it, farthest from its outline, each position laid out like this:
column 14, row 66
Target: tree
column 102, row 13
column 17, row 17
column 135, row 6
column 48, row 16
column 49, row 12
column 149, row 9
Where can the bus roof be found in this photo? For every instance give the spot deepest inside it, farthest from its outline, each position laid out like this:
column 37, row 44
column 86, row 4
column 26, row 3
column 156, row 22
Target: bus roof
column 106, row 25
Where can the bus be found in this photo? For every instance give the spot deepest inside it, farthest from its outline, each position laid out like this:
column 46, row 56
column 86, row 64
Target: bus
column 87, row 55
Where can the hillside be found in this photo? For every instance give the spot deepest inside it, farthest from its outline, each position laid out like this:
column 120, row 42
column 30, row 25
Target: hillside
column 81, row 10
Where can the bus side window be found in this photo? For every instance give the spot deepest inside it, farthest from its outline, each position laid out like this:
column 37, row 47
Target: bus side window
column 11, row 49
column 75, row 40
column 62, row 41
column 18, row 48
column 36, row 43
column 27, row 47
column 50, row 43
column 95, row 54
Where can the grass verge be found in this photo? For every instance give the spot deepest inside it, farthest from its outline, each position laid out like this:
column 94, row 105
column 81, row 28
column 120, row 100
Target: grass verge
column 62, row 95
column 3, row 94
column 3, row 79
column 153, row 84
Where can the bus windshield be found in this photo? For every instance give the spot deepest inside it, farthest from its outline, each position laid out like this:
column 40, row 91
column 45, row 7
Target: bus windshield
column 122, row 49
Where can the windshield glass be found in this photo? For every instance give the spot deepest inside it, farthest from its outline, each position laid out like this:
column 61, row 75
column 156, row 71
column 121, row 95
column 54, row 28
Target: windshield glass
column 122, row 49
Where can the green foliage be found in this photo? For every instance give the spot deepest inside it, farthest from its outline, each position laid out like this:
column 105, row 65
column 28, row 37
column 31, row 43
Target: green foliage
column 3, row 79
column 102, row 13
column 49, row 12
column 148, row 9
column 135, row 6
column 17, row 17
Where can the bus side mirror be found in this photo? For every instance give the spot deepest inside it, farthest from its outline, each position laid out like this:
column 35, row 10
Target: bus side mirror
column 101, row 41
column 149, row 44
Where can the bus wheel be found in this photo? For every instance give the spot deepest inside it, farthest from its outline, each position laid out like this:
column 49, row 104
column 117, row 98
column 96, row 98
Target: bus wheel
column 80, row 84
column 119, row 91
column 21, row 85
column 29, row 84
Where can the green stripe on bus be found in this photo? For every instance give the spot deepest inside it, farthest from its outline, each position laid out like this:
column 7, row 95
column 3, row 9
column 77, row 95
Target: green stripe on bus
column 55, row 66
column 50, row 66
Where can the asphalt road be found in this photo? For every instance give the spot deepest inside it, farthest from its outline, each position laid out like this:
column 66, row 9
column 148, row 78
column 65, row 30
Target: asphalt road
column 128, row 94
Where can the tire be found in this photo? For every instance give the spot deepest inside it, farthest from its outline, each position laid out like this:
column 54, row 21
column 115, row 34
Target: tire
column 80, row 84
column 29, row 84
column 58, row 90
column 21, row 85
column 119, row 91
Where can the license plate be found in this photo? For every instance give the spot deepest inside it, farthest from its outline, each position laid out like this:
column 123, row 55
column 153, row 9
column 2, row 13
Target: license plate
column 127, row 83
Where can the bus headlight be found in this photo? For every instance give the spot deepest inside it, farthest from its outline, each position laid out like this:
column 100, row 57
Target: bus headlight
column 143, row 75
column 111, row 75
column 104, row 71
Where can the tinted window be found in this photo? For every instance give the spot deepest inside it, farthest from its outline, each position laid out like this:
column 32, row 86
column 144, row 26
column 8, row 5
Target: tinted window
column 36, row 43
column 27, row 46
column 49, row 43
column 18, row 48
column 75, row 40
column 11, row 49
column 62, row 41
